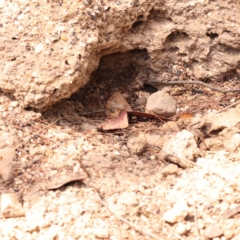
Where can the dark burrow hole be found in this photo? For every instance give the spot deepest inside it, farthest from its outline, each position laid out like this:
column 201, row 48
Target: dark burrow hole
column 149, row 88
column 212, row 35
column 172, row 41
column 137, row 24
column 126, row 72
column 176, row 36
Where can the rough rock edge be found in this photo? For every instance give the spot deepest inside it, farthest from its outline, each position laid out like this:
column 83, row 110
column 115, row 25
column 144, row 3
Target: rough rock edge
column 47, row 58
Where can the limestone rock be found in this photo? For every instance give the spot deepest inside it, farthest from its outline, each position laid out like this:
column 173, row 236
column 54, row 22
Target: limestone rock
column 219, row 121
column 213, row 143
column 182, row 145
column 182, row 228
column 10, row 206
column 7, row 155
column 213, row 231
column 236, row 237
column 51, row 233
column 128, row 198
column 170, row 169
column 47, row 59
column 7, row 139
column 101, row 232
column 87, row 127
column 137, row 144
column 232, row 144
column 157, row 140
column 177, row 213
column 161, row 103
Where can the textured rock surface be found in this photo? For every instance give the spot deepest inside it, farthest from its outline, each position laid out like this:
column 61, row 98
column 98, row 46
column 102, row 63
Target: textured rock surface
column 177, row 213
column 213, row 231
column 137, row 144
column 182, row 145
column 7, row 167
column 161, row 103
column 50, row 48
column 10, row 206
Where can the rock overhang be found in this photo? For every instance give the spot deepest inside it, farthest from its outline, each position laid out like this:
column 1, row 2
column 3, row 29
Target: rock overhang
column 49, row 50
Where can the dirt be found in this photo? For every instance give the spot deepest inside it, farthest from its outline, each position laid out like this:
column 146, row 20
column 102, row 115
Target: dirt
column 103, row 190
column 61, row 177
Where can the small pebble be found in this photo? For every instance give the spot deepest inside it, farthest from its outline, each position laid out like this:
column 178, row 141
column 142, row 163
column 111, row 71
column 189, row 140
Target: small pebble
column 170, row 169
column 14, row 104
column 101, row 232
column 236, row 237
column 177, row 213
column 228, row 234
column 213, row 231
column 181, row 229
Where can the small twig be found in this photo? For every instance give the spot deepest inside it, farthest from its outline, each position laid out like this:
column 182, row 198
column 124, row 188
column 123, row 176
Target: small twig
column 229, row 106
column 231, row 212
column 105, row 204
column 92, row 112
column 198, row 83
column 133, row 225
column 218, row 175
column 83, row 167
column 162, row 120
column 196, row 220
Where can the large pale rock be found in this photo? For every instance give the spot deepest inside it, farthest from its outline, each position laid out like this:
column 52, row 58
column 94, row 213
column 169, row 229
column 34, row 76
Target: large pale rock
column 182, row 145
column 7, row 167
column 128, row 198
column 177, row 213
column 232, row 144
column 236, row 237
column 217, row 121
column 170, row 169
column 213, row 231
column 161, row 103
column 10, row 206
column 50, row 48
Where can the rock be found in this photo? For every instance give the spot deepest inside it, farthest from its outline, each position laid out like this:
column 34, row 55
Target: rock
column 10, row 206
column 231, row 145
column 219, row 121
column 101, row 232
column 213, row 143
column 37, row 150
column 33, row 195
column 156, row 139
column 88, row 127
column 229, row 234
column 170, row 169
column 6, row 139
column 177, row 213
column 14, row 104
column 213, row 231
column 161, row 103
column 7, row 155
column 137, row 144
column 51, row 233
column 170, row 126
column 236, row 237
column 182, row 228
column 44, row 75
column 62, row 178
column 128, row 198
column 182, row 145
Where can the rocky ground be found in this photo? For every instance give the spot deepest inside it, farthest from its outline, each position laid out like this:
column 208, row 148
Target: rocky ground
column 62, row 178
